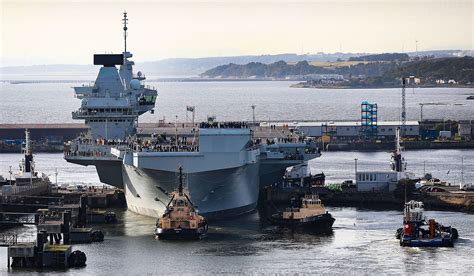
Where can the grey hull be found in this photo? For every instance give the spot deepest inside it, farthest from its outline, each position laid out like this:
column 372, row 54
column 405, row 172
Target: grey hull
column 217, row 193
column 272, row 171
column 109, row 171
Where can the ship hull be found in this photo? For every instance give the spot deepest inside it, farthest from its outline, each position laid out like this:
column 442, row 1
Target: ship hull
column 320, row 224
column 217, row 193
column 272, row 171
column 181, row 233
column 109, row 171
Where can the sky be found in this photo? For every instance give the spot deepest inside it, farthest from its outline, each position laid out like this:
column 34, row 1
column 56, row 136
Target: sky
column 70, row 32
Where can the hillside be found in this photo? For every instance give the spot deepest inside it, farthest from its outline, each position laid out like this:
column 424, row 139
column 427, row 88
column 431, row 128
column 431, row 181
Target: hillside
column 186, row 67
column 281, row 70
column 459, row 69
column 363, row 74
column 382, row 57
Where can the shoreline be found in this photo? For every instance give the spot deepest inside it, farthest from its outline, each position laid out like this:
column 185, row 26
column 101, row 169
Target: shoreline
column 378, row 87
column 446, row 201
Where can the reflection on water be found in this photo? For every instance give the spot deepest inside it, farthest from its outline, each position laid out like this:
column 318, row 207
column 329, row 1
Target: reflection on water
column 363, row 241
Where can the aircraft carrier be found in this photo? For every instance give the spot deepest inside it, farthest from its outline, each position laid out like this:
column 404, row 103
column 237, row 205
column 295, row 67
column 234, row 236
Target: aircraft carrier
column 225, row 163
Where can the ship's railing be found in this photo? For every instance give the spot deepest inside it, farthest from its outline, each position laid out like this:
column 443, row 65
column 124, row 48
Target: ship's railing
column 283, row 155
column 86, row 147
column 97, row 113
column 224, row 125
column 292, row 156
column 150, row 87
column 162, row 146
column 87, row 154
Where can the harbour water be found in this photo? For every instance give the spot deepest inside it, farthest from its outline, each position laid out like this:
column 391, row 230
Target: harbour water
column 232, row 100
column 337, row 166
column 363, row 240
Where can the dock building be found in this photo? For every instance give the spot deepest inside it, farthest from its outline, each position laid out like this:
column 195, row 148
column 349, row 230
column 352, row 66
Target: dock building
column 349, row 130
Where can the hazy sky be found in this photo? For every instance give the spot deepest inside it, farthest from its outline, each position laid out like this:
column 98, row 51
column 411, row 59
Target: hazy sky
column 47, row 32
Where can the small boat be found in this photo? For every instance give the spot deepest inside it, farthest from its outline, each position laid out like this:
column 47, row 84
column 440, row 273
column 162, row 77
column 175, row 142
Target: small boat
column 181, row 220
column 417, row 232
column 27, row 181
column 310, row 215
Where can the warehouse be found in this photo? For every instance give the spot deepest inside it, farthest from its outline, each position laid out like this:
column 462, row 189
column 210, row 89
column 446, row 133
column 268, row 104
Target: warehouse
column 350, row 129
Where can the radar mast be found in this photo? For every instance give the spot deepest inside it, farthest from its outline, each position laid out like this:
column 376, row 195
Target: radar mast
column 125, row 21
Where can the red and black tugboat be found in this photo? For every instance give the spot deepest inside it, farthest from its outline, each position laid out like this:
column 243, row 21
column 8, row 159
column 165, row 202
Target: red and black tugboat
column 181, row 220
column 417, row 232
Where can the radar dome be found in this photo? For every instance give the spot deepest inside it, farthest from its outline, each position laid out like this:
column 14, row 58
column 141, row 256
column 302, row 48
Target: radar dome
column 135, row 84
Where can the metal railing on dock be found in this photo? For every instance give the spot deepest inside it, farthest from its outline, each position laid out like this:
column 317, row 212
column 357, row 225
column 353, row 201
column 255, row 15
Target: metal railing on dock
column 10, row 239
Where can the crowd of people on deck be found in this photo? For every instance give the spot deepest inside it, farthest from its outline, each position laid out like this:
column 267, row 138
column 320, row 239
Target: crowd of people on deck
column 223, row 125
column 181, row 144
column 162, row 143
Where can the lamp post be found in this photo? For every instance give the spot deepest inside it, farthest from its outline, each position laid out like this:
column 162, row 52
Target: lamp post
column 355, row 168
column 253, row 112
column 10, row 171
column 462, row 173
column 176, row 130
column 421, row 112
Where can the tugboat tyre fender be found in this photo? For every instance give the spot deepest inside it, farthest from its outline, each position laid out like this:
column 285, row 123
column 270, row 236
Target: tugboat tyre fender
column 97, row 236
column 77, row 259
column 454, row 233
column 398, row 233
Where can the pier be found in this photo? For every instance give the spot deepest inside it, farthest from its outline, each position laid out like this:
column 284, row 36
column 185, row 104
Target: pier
column 330, row 135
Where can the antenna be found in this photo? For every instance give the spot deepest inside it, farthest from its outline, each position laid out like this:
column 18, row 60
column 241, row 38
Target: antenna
column 416, row 46
column 462, row 172
column 180, row 187
column 404, row 114
column 10, row 171
column 125, row 21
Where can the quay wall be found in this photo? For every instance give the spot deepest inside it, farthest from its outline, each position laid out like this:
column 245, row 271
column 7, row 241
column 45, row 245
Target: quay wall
column 462, row 201
column 50, row 138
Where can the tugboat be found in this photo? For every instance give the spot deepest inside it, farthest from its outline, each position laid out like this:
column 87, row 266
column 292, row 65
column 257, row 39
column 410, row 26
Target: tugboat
column 416, row 232
column 27, row 181
column 181, row 220
column 310, row 215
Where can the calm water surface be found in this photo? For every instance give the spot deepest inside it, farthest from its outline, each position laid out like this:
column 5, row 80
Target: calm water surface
column 232, row 100
column 363, row 240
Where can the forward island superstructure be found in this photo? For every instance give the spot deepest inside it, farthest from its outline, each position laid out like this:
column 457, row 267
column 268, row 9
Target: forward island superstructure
column 110, row 108
column 224, row 162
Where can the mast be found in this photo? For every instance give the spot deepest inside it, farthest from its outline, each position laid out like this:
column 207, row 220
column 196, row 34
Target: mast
column 180, row 186
column 125, row 21
column 399, row 159
column 404, row 113
column 462, row 172
column 27, row 163
column 26, row 148
column 397, row 142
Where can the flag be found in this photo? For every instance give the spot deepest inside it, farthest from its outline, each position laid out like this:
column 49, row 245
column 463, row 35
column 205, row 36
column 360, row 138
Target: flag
column 190, row 108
